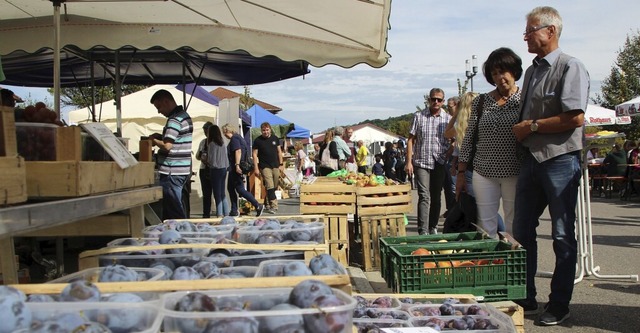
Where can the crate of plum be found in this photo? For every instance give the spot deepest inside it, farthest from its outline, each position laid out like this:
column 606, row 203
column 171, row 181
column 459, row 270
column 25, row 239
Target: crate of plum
column 310, row 306
column 193, row 229
column 271, row 231
column 322, row 264
column 79, row 307
column 490, row 269
column 451, row 315
column 386, row 242
column 113, row 273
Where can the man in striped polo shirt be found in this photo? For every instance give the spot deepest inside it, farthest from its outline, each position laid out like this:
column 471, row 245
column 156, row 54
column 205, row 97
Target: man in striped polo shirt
column 174, row 154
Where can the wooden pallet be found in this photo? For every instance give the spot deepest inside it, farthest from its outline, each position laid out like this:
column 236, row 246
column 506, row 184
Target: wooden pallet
column 371, row 229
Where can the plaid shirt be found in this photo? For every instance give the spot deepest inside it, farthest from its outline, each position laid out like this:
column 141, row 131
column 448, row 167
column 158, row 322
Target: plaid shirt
column 429, row 145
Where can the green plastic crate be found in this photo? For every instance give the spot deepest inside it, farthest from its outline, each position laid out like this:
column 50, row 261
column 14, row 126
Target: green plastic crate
column 386, row 242
column 503, row 277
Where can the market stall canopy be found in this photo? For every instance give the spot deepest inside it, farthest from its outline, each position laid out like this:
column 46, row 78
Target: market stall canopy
column 629, row 108
column 340, row 32
column 281, row 127
column 598, row 116
column 98, row 66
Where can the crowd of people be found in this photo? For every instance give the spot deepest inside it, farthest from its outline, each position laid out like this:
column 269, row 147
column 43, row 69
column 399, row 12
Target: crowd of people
column 515, row 147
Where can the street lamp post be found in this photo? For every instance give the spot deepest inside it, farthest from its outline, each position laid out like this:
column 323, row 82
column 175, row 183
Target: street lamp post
column 471, row 69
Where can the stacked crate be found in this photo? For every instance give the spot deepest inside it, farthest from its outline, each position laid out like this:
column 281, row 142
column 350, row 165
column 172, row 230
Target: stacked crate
column 13, row 178
column 337, row 202
column 381, row 213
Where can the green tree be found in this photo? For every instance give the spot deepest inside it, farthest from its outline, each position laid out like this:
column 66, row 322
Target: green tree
column 623, row 84
column 246, row 101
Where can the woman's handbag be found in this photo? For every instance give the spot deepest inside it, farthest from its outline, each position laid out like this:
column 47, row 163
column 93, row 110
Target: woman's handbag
column 326, row 160
column 307, row 163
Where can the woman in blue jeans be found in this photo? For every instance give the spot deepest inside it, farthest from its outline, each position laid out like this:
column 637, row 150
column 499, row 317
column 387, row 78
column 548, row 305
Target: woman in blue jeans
column 218, row 165
column 237, row 150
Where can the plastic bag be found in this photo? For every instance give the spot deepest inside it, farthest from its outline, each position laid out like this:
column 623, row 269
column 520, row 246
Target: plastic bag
column 338, row 173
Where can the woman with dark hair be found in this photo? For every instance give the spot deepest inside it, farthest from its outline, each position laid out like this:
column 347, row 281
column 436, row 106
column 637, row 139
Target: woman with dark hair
column 495, row 162
column 401, row 175
column 204, row 172
column 218, row 165
column 389, row 160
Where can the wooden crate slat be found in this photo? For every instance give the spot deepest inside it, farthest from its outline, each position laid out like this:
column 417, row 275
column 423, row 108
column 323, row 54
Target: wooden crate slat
column 382, row 189
column 13, row 180
column 384, row 210
column 8, row 144
column 385, row 200
column 338, row 198
column 374, row 227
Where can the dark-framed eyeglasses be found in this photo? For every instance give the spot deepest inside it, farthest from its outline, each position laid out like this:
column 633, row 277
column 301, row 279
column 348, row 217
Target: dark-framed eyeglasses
column 534, row 29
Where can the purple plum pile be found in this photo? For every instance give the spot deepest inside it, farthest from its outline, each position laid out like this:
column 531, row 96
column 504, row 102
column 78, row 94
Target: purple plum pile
column 272, row 231
column 284, row 314
column 19, row 313
column 322, row 264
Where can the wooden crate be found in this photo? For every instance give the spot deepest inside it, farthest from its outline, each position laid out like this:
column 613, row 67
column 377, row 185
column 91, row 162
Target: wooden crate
column 336, row 232
column 8, row 146
column 59, row 179
column 13, row 180
column 383, row 200
column 332, row 198
column 371, row 229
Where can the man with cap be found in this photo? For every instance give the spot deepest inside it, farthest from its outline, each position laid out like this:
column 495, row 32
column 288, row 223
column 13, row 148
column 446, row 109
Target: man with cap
column 204, row 173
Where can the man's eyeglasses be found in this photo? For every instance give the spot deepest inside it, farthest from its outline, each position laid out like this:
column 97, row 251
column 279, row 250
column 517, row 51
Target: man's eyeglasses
column 534, row 29
column 436, row 99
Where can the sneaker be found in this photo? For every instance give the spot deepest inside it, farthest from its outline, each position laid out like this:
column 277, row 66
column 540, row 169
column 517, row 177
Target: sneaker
column 554, row 314
column 433, row 231
column 234, row 214
column 270, row 210
column 259, row 210
column 530, row 306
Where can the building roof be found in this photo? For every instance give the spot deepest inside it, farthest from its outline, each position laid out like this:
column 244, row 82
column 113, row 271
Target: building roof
column 223, row 93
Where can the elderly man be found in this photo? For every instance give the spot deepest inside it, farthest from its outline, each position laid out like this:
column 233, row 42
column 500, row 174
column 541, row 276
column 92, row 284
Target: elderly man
column 426, row 149
column 267, row 161
column 343, row 149
column 555, row 93
column 174, row 154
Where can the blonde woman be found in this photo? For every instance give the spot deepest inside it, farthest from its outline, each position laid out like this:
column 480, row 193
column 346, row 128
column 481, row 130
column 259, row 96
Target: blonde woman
column 456, row 130
column 328, row 154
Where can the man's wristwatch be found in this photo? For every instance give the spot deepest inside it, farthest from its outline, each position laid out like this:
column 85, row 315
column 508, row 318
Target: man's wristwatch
column 534, row 126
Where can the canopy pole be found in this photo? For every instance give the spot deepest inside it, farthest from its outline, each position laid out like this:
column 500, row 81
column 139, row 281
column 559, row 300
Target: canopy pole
column 56, row 57
column 118, row 95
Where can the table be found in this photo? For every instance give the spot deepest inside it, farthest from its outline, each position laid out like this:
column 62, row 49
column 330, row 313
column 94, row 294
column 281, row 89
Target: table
column 82, row 216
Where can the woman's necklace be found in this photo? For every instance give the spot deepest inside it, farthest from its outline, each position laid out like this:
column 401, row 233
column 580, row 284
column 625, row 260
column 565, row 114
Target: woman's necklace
column 506, row 97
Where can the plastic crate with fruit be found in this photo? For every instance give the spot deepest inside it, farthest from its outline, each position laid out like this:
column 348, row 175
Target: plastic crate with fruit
column 489, row 269
column 387, row 242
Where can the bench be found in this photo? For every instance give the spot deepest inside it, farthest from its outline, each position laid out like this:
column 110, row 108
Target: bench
column 608, row 182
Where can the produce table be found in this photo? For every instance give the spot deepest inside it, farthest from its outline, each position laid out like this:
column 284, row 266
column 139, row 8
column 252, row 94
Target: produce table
column 73, row 217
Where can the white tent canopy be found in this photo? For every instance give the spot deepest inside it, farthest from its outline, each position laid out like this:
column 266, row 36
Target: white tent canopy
column 338, row 32
column 142, row 119
column 629, row 108
column 598, row 116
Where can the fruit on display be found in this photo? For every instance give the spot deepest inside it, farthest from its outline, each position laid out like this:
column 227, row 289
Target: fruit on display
column 80, row 291
column 14, row 314
column 362, row 180
column 117, row 273
column 293, row 323
column 325, row 264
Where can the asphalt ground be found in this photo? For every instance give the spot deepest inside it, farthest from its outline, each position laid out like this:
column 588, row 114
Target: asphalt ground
column 600, row 304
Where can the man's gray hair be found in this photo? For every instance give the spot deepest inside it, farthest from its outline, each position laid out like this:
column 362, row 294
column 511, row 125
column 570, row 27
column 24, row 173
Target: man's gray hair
column 546, row 16
column 338, row 130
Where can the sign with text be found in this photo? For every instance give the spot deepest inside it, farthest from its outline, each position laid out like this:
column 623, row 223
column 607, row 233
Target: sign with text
column 111, row 144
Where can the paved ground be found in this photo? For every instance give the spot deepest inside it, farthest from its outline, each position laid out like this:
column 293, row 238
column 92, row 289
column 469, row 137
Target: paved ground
column 599, row 304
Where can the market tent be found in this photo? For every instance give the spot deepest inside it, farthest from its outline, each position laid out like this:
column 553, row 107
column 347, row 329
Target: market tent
column 281, row 127
column 598, row 116
column 629, row 108
column 142, row 119
column 338, row 32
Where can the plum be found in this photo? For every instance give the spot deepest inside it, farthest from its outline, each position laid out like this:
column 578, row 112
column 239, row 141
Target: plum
column 304, row 293
column 185, row 273
column 457, row 324
column 185, row 227
column 220, row 259
column 271, row 225
column 152, row 252
column 80, row 291
column 300, row 232
column 324, row 264
column 269, row 238
column 40, row 298
column 296, row 268
column 289, row 323
column 194, row 302
column 382, row 302
column 117, row 273
column 426, row 311
column 14, row 314
column 228, row 220
column 182, row 250
column 238, row 324
column 206, row 269
column 122, row 320
column 447, row 309
column 484, row 324
column 327, row 322
column 169, row 237
column 154, row 231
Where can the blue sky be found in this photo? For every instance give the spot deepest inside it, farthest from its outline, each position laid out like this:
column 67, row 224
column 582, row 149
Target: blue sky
column 429, row 42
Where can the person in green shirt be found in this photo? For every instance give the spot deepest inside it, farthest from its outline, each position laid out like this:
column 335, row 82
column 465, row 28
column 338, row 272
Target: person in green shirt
column 361, row 157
